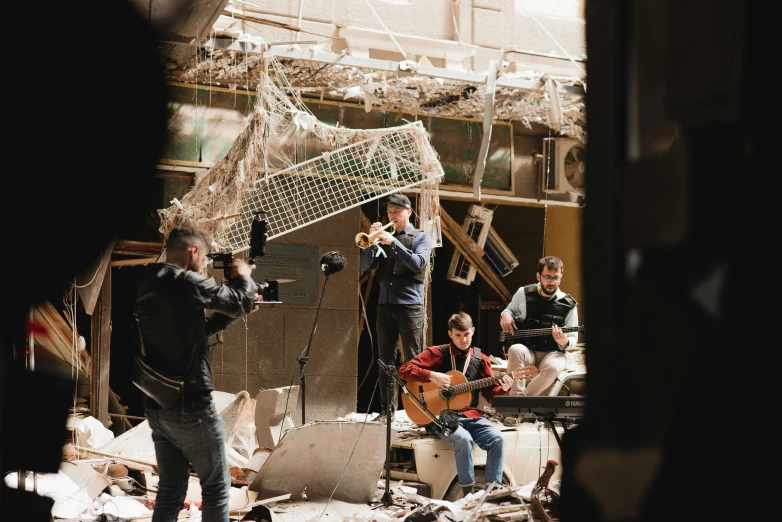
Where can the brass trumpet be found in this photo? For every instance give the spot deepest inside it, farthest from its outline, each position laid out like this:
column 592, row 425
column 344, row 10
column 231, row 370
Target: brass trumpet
column 363, row 240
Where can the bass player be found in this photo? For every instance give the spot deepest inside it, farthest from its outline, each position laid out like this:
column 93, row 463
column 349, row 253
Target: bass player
column 541, row 305
column 432, row 365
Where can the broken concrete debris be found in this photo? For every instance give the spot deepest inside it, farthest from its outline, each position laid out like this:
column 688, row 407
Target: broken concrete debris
column 275, row 481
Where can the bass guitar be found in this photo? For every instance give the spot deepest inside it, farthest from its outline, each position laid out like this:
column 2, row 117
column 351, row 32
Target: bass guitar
column 507, row 339
column 455, row 397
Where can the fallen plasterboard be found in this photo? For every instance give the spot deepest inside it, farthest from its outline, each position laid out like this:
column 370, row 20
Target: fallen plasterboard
column 91, row 432
column 136, row 446
column 273, row 413
column 325, row 457
column 238, row 419
column 86, row 478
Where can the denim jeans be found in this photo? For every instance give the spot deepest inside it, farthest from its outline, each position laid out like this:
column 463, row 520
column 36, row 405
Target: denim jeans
column 394, row 321
column 196, row 436
column 488, row 437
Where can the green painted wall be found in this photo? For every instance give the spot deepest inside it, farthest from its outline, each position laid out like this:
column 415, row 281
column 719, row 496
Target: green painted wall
column 203, row 125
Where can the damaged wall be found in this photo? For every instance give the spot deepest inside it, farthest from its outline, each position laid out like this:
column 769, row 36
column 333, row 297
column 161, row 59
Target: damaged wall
column 204, row 123
column 264, row 354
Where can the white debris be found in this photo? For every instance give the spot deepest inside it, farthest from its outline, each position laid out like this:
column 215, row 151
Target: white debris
column 91, row 432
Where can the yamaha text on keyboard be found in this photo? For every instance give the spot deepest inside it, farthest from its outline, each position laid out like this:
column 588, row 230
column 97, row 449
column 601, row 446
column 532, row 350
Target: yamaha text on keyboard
column 560, row 406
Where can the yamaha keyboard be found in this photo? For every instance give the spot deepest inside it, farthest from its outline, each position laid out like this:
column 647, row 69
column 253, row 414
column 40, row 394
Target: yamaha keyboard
column 558, row 406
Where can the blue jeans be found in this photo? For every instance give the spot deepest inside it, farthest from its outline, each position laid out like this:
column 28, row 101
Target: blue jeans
column 488, row 437
column 196, row 436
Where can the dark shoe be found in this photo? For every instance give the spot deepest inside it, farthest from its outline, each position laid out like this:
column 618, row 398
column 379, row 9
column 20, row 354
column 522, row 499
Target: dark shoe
column 467, row 490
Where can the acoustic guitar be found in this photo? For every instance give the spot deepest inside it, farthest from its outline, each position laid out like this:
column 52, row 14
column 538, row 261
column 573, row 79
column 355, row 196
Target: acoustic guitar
column 507, row 339
column 455, row 397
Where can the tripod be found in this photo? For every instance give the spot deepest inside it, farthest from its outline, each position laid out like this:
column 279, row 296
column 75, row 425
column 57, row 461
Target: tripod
column 393, row 380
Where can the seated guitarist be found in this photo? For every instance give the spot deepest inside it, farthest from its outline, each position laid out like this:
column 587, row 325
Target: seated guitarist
column 541, row 305
column 431, row 365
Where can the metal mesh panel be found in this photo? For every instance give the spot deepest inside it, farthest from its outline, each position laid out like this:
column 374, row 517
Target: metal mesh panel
column 318, row 188
column 259, row 173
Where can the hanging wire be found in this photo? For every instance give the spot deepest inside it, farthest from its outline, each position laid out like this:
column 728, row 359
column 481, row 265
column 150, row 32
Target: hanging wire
column 363, row 424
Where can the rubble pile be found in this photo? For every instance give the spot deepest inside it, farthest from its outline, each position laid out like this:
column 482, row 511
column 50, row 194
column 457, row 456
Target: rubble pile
column 107, row 478
column 497, row 504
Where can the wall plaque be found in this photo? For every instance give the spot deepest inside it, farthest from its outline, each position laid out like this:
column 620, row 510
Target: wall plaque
column 297, row 262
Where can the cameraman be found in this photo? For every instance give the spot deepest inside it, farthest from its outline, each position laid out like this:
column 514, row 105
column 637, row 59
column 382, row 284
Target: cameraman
column 170, row 306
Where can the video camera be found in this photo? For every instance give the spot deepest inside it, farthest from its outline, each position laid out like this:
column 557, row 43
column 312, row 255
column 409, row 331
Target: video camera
column 268, row 289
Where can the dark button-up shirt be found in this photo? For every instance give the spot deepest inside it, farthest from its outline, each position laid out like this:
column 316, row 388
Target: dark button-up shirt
column 401, row 290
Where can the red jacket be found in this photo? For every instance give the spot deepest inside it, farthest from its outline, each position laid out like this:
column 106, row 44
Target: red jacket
column 431, row 359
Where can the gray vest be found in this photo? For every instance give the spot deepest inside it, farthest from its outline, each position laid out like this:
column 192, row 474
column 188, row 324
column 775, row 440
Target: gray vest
column 543, row 312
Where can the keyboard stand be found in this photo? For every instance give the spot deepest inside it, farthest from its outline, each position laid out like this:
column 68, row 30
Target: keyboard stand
column 550, row 419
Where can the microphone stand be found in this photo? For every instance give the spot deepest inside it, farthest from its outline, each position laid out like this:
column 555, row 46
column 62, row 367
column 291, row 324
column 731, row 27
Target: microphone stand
column 302, row 359
column 390, row 370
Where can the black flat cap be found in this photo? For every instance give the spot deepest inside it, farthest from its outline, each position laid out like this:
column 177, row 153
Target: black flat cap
column 398, row 199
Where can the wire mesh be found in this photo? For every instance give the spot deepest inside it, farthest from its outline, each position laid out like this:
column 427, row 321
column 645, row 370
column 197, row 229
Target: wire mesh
column 261, row 172
column 334, row 182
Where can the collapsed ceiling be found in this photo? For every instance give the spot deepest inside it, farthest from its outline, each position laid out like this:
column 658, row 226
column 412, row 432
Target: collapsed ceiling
column 385, row 90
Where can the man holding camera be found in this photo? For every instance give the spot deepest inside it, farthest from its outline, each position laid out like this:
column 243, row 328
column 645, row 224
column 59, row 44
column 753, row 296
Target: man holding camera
column 170, row 308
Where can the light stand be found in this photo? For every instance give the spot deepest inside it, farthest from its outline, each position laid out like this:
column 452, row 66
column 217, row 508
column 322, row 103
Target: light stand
column 393, row 379
column 388, row 499
column 330, row 263
column 302, row 359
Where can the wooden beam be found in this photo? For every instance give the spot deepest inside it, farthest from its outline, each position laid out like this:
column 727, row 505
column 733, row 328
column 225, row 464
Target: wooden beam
column 60, row 332
column 171, row 174
column 273, row 23
column 100, row 350
column 115, row 407
column 137, row 248
column 88, row 283
column 134, row 262
column 121, row 416
column 51, row 341
column 473, row 253
column 129, row 462
column 456, row 229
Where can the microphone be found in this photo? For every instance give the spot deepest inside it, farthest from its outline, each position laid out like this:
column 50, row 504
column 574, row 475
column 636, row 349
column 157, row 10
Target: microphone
column 332, row 262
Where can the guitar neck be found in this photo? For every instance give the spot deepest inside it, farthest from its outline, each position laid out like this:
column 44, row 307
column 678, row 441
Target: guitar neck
column 476, row 385
column 537, row 332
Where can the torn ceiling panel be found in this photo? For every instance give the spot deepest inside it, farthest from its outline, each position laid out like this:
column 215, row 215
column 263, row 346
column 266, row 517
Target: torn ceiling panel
column 385, row 90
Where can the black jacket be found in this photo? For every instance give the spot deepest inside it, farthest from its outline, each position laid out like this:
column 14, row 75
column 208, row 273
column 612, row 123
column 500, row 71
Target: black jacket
column 170, row 307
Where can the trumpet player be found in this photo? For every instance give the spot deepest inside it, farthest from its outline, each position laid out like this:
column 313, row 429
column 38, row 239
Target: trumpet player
column 401, row 260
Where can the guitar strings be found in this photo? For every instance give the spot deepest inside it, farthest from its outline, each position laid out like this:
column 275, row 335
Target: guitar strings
column 539, row 331
column 468, row 385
